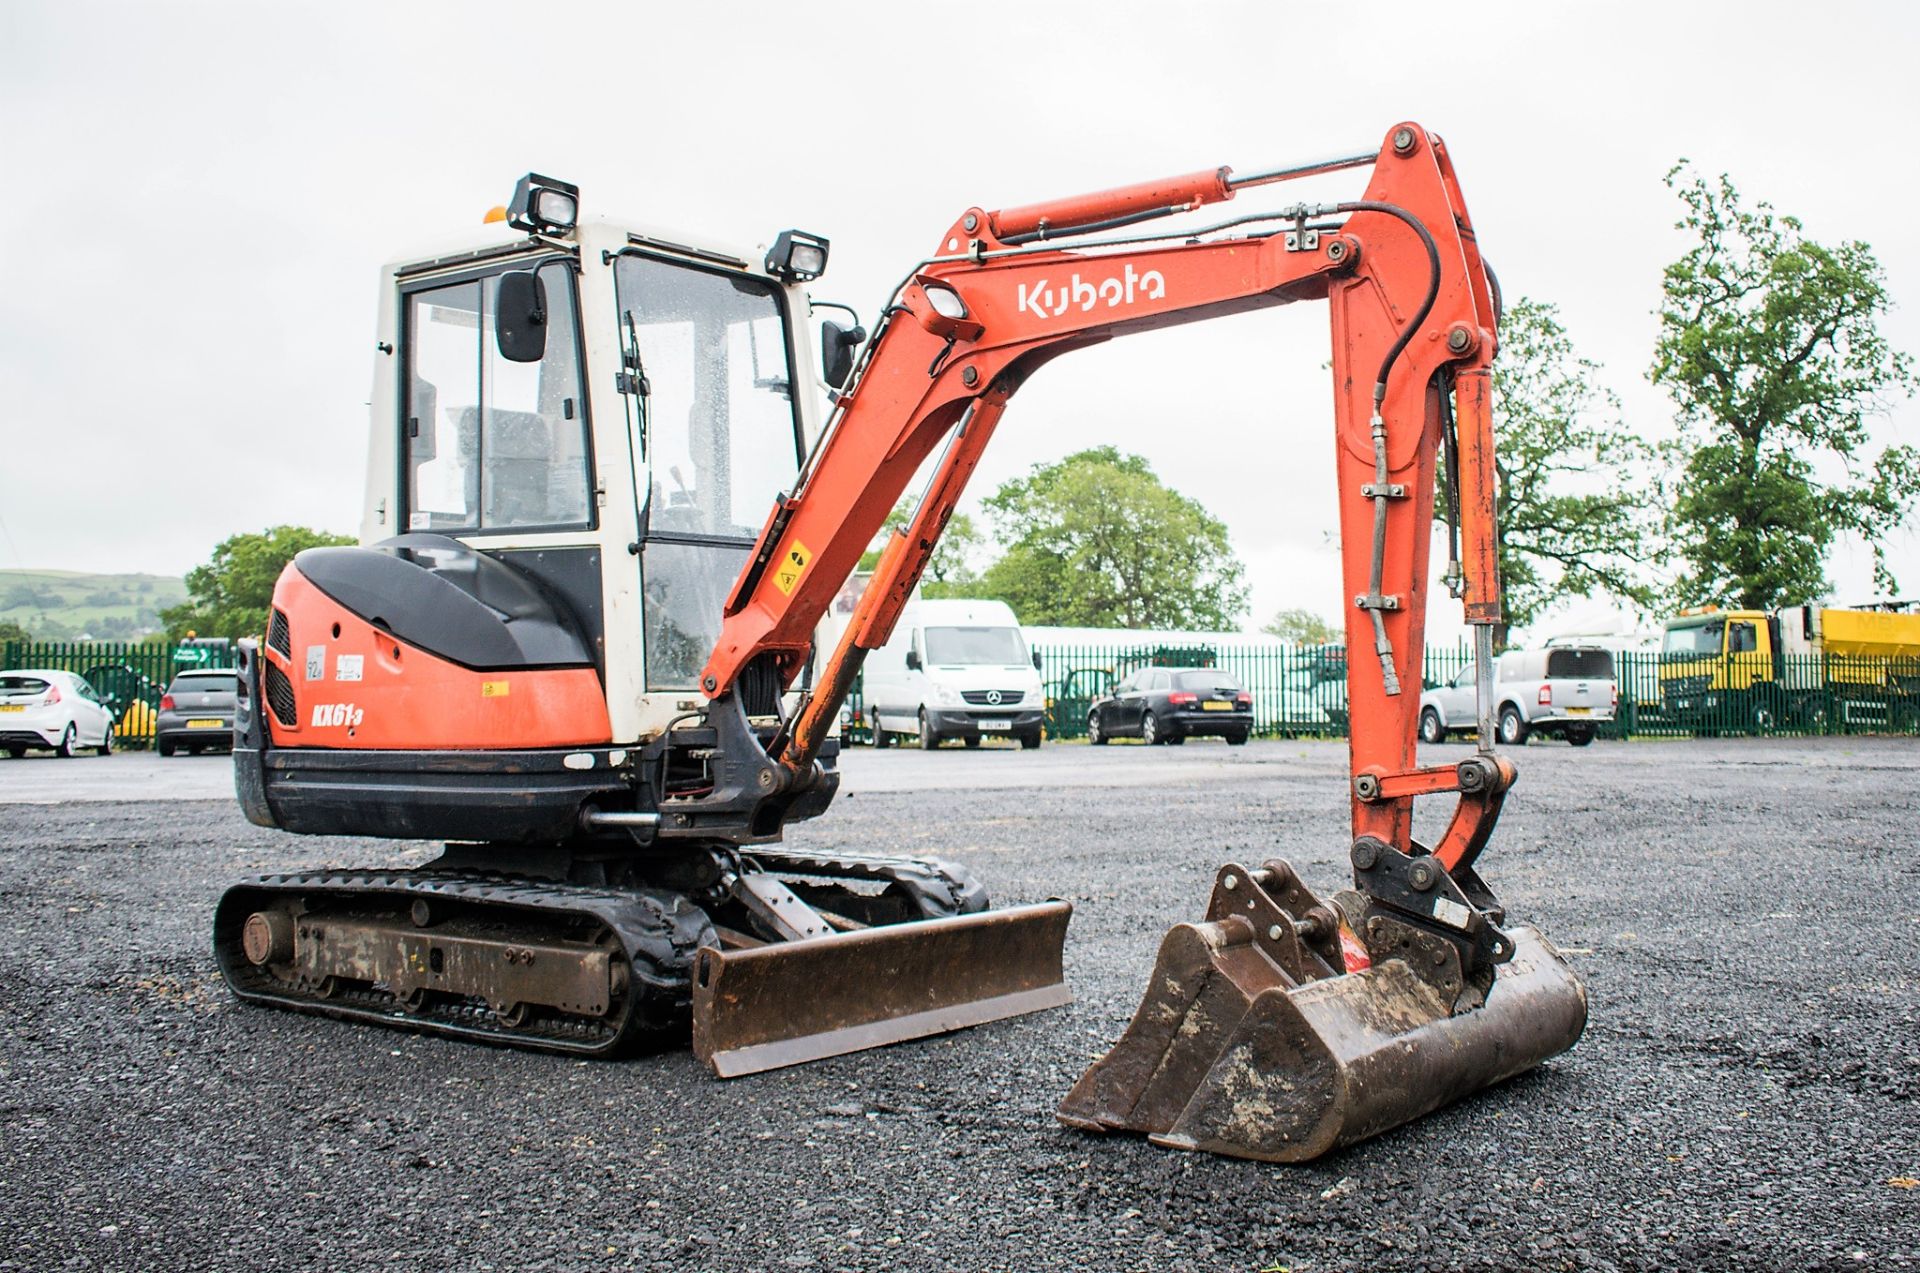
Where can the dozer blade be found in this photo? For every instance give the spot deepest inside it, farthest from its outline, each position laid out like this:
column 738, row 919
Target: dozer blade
column 790, row 1002
column 1239, row 1050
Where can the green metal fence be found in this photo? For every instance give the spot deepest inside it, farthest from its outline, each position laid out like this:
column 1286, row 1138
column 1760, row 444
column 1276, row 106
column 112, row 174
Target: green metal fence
column 1297, row 692
column 129, row 677
column 1302, row 692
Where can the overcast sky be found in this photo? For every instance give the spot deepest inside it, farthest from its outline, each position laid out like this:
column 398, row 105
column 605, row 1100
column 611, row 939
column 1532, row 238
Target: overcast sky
column 199, row 196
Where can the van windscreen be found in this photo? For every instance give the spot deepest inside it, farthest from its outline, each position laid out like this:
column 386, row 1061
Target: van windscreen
column 951, row 646
column 1596, row 665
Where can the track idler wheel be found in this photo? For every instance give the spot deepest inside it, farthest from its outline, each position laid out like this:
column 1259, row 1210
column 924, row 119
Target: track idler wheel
column 1256, row 1042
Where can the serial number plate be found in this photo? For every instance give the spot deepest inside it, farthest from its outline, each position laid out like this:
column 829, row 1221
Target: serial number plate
column 206, row 724
column 996, row 724
column 1218, row 707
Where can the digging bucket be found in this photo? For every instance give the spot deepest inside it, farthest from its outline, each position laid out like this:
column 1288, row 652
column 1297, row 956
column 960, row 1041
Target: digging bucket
column 790, row 1002
column 1258, row 1047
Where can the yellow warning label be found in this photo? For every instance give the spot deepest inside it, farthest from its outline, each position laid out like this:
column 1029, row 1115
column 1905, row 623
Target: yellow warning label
column 792, row 564
column 493, row 689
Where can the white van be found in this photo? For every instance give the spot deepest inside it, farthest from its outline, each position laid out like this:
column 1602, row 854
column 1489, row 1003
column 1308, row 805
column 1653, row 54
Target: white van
column 954, row 669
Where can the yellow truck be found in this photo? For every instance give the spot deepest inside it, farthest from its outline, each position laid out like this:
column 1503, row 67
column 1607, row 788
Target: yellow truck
column 1813, row 668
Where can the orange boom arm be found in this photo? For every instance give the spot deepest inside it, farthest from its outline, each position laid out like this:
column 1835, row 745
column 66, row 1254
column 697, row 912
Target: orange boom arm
column 1413, row 325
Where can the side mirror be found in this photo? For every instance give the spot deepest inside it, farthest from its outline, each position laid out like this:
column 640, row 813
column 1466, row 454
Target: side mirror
column 520, row 316
column 913, row 660
column 837, row 344
column 1036, row 660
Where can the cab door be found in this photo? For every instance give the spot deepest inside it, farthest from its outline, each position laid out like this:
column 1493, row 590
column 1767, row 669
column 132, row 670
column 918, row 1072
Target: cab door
column 708, row 379
column 1747, row 660
column 1456, row 698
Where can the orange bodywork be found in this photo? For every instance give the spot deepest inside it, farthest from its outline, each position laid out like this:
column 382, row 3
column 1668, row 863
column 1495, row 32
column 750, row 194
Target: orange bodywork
column 942, row 367
column 410, row 700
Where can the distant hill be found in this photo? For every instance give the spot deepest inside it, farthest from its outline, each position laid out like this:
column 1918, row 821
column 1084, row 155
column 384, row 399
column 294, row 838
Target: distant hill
column 66, row 605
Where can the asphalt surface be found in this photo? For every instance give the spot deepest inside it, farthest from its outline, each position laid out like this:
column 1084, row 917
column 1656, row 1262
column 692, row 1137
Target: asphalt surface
column 1747, row 1095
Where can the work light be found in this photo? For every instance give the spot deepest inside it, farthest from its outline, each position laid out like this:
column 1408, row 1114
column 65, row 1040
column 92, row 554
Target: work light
column 542, row 205
column 797, row 257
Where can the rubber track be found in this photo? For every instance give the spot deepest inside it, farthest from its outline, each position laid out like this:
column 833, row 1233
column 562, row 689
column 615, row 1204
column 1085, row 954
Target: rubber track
column 658, row 932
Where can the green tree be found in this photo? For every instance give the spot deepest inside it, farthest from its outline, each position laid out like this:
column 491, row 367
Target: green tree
column 1303, row 627
column 12, row 631
column 949, row 571
column 1097, row 540
column 1770, row 345
column 1577, row 511
column 228, row 597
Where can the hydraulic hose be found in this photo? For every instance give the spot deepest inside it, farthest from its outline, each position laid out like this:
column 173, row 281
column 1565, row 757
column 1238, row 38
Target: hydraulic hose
column 1376, row 604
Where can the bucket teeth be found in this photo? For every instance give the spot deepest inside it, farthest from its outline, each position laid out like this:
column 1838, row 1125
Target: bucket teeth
column 1233, row 1053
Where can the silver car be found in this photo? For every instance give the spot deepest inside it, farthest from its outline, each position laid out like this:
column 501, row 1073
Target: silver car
column 196, row 712
column 1567, row 691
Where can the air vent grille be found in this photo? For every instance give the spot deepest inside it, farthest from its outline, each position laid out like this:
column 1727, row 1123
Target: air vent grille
column 280, row 696
column 280, row 633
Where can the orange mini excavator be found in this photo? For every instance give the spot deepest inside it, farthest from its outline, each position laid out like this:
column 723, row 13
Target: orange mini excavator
column 576, row 649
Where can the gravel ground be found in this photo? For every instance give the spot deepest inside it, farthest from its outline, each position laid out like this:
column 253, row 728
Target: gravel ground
column 1745, row 1096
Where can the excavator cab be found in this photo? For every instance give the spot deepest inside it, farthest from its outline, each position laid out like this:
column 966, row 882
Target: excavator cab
column 578, row 428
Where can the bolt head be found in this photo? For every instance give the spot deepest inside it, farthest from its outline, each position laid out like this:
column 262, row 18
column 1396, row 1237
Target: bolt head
column 1403, row 140
column 972, row 221
column 1459, row 339
column 1365, row 854
column 1230, row 883
column 969, row 377
column 1273, row 934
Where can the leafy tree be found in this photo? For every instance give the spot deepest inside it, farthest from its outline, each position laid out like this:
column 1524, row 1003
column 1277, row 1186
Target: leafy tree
column 12, row 631
column 949, row 571
column 1303, row 627
column 1770, row 345
column 1575, row 510
column 228, row 597
column 1097, row 540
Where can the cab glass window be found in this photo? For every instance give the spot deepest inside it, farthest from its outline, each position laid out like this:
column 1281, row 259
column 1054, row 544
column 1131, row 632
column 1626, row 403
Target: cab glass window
column 1701, row 639
column 1741, row 638
column 721, row 439
column 493, row 444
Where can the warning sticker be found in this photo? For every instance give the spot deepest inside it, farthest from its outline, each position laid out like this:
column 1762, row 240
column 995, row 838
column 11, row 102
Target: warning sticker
column 493, row 689
column 347, row 667
column 792, row 564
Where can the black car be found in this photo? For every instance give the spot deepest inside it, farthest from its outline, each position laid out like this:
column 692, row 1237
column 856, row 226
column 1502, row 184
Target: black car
column 1171, row 705
column 196, row 712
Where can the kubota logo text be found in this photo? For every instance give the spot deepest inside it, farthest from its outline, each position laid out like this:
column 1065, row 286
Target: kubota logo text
column 1044, row 300
column 336, row 714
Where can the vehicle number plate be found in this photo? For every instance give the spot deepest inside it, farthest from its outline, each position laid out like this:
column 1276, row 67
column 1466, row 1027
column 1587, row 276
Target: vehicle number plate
column 1578, row 711
column 12, row 707
column 996, row 724
column 1218, row 707
column 206, row 724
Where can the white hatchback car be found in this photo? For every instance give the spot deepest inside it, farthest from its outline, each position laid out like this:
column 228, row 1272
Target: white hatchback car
column 53, row 710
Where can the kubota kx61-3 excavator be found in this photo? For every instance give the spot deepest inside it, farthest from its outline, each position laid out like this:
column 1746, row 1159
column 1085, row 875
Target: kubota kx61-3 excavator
column 579, row 652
